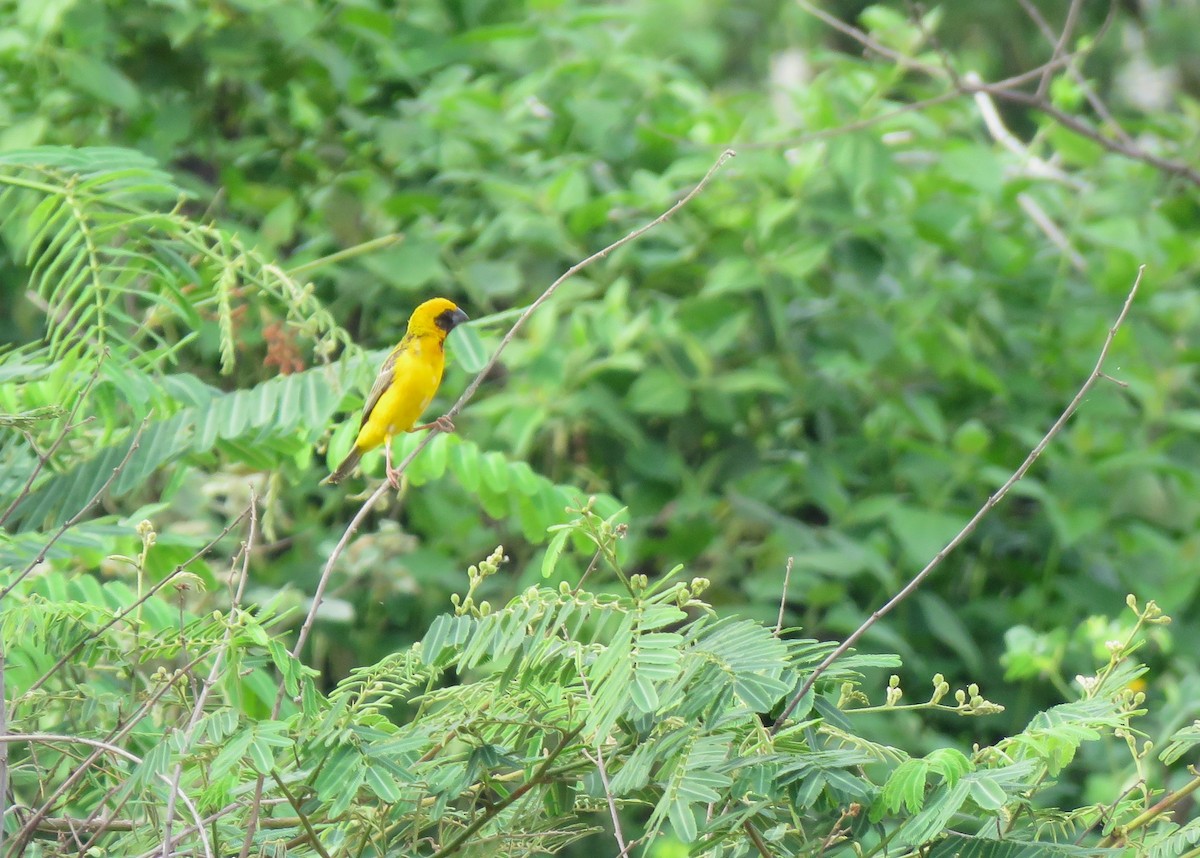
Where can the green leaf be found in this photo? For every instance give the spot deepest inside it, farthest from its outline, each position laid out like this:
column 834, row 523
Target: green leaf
column 905, row 787
column 936, row 814
column 101, row 80
column 295, row 408
column 553, row 551
column 468, row 349
column 964, row 846
column 658, row 392
column 988, row 794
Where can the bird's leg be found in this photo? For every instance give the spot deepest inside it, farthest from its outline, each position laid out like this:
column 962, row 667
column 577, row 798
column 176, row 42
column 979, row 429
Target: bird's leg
column 393, row 475
column 442, row 424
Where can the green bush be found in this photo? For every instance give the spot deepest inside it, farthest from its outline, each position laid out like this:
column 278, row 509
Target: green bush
column 214, row 217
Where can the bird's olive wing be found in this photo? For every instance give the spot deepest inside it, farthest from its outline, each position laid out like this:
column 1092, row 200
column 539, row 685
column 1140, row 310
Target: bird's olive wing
column 382, row 382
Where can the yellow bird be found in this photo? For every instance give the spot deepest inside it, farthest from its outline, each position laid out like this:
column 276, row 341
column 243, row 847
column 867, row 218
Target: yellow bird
column 406, row 383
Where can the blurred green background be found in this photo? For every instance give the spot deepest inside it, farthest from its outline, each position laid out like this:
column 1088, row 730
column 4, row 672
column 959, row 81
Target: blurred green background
column 835, row 354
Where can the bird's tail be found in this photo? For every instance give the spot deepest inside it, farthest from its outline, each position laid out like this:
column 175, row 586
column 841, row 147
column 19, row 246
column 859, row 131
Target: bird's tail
column 343, row 470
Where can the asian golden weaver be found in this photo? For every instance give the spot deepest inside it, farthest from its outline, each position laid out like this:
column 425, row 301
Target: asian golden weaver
column 405, row 385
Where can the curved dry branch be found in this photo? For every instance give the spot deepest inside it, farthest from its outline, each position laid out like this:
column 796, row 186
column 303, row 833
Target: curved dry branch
column 356, row 522
column 458, row 406
column 1007, row 90
column 1096, row 374
column 115, row 750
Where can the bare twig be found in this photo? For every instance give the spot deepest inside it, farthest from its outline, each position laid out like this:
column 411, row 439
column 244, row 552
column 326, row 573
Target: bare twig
column 73, row 824
column 756, row 839
column 1051, row 230
column 252, row 824
column 1063, row 37
column 304, row 821
column 1034, row 166
column 1074, row 123
column 867, row 42
column 1103, row 811
column 918, row 18
column 602, row 768
column 129, row 609
column 69, row 424
column 214, row 672
column 591, row 567
column 78, row 517
column 837, row 834
column 787, row 577
column 1096, row 374
column 912, row 107
column 100, row 747
column 457, row 407
column 1006, row 90
column 373, row 498
column 1164, row 804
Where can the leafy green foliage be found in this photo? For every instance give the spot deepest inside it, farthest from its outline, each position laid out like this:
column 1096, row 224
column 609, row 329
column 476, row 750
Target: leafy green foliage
column 508, row 757
column 93, row 233
column 830, row 358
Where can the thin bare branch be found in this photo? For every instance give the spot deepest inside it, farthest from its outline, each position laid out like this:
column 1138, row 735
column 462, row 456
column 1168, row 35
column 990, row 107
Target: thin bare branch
column 756, row 839
column 1006, row 90
column 100, row 747
column 867, row 42
column 913, row 107
column 1063, row 37
column 214, row 673
column 1077, row 125
column 598, row 761
column 787, row 578
column 69, row 424
column 311, row 833
column 1166, row 803
column 373, row 498
column 129, row 609
column 78, row 517
column 917, row 11
column 1096, row 374
column 467, row 394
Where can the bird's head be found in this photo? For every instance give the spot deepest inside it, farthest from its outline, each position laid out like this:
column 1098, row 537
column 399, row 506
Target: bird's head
column 436, row 316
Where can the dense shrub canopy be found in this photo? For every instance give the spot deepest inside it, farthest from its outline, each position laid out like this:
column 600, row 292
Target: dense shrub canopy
column 215, row 217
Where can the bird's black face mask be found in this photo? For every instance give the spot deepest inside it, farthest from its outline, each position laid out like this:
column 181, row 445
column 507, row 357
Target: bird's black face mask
column 448, row 320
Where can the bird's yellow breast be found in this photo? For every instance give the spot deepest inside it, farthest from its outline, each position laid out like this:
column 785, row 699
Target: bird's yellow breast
column 415, row 379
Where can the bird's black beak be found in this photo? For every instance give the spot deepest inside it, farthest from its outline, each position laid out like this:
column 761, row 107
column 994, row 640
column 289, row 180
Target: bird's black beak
column 450, row 319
